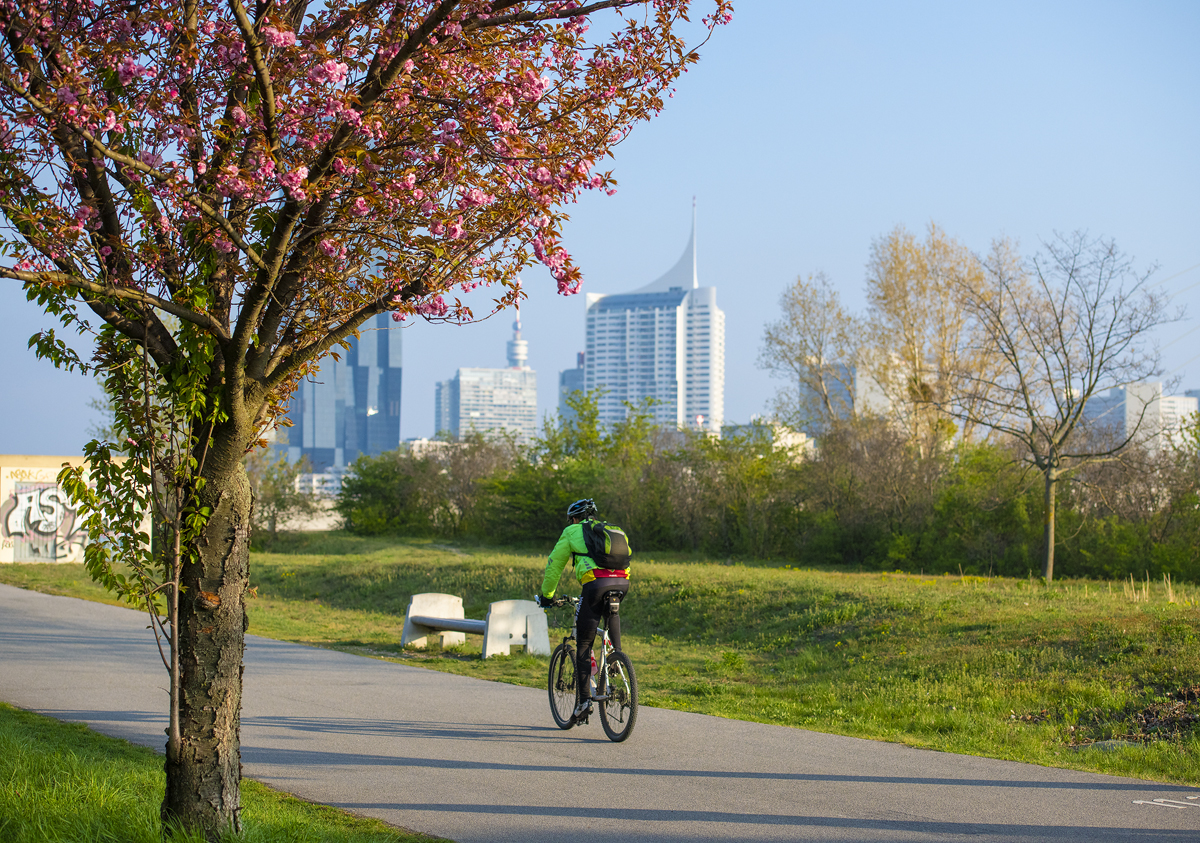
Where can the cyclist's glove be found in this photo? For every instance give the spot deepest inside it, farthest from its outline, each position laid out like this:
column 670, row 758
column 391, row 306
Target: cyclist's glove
column 543, row 602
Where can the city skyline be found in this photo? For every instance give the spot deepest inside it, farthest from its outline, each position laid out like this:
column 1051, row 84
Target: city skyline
column 806, row 133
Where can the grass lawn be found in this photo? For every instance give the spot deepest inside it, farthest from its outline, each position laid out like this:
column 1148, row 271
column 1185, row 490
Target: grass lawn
column 63, row 783
column 996, row 667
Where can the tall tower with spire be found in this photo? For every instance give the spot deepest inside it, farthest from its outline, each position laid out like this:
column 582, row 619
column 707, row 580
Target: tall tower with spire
column 487, row 401
column 664, row 341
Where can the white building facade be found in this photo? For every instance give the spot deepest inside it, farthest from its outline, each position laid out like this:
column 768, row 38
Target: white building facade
column 664, row 341
column 491, row 400
column 1142, row 407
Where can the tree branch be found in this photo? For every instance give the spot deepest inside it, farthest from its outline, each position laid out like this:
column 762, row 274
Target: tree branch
column 62, row 279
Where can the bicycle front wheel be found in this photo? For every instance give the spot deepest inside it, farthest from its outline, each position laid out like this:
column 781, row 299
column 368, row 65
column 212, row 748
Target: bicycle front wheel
column 562, row 686
column 618, row 713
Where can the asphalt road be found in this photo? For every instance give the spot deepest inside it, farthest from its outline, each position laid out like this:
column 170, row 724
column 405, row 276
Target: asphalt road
column 478, row 761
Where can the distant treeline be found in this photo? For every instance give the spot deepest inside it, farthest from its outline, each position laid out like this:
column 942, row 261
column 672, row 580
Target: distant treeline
column 863, row 498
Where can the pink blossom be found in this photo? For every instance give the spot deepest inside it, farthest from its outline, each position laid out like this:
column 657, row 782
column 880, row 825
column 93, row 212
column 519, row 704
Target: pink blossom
column 105, row 251
column 223, row 245
column 66, row 95
column 292, row 181
column 455, row 231
column 533, row 87
column 329, row 71
column 239, row 116
column 129, row 70
column 434, row 307
column 360, row 207
column 332, row 249
column 344, row 169
column 279, row 37
column 542, row 176
column 474, row 198
column 398, row 317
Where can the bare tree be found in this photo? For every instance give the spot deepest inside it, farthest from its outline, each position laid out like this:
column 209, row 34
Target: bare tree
column 814, row 348
column 1070, row 323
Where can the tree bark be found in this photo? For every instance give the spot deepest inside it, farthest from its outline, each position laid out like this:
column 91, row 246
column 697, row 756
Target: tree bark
column 1048, row 556
column 204, row 774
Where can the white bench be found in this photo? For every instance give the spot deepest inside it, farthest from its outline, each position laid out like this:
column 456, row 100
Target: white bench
column 508, row 623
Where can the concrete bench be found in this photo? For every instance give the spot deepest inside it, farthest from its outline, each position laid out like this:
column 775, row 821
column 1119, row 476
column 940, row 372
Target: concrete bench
column 508, row 623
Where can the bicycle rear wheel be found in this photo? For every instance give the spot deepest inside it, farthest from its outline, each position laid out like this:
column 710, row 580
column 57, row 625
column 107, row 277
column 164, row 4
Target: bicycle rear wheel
column 618, row 713
column 562, row 686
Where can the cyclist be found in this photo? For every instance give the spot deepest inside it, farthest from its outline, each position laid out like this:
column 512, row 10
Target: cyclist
column 596, row 582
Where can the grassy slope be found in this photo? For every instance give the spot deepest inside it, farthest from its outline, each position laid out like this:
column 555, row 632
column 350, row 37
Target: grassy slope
column 1003, row 668
column 62, row 783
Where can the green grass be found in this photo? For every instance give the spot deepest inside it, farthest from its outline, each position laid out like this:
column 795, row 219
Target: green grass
column 996, row 667
column 63, row 783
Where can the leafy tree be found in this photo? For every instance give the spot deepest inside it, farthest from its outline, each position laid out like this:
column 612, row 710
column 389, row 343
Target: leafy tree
column 272, row 176
column 277, row 499
column 468, row 466
column 393, row 493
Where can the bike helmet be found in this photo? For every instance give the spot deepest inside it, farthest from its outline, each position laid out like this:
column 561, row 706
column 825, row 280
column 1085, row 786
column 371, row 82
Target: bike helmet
column 582, row 508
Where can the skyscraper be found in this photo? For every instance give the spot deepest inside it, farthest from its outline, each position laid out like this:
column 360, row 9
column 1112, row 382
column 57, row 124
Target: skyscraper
column 352, row 405
column 569, row 381
column 664, row 341
column 486, row 400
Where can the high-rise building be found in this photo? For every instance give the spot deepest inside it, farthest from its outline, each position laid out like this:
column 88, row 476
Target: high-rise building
column 352, row 405
column 487, row 400
column 664, row 341
column 1143, row 408
column 570, row 380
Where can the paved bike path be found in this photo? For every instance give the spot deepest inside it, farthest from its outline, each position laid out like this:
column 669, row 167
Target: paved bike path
column 480, row 761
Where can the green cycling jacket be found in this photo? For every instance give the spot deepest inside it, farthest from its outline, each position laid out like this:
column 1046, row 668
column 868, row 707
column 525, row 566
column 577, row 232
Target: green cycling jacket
column 570, row 547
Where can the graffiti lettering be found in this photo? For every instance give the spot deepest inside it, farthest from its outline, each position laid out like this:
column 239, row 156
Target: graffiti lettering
column 34, row 474
column 38, row 524
column 39, row 510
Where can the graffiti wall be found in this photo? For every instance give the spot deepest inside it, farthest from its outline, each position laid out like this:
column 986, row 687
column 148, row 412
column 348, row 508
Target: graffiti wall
column 37, row 521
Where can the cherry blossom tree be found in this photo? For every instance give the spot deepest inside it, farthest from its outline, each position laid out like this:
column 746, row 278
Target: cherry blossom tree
column 221, row 193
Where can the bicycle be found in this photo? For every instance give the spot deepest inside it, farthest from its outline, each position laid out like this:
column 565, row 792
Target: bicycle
column 614, row 690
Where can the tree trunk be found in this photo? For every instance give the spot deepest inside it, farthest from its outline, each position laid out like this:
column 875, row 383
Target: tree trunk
column 1048, row 557
column 204, row 774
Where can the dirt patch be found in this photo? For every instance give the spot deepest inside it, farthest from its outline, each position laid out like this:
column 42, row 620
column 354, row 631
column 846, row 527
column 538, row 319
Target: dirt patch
column 1031, row 716
column 1175, row 718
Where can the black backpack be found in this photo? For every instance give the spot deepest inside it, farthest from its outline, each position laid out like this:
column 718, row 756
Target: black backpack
column 607, row 544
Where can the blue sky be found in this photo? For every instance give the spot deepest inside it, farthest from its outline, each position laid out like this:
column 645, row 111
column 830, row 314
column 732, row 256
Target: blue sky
column 809, row 130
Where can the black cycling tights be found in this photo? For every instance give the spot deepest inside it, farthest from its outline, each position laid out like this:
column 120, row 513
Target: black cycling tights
column 587, row 622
